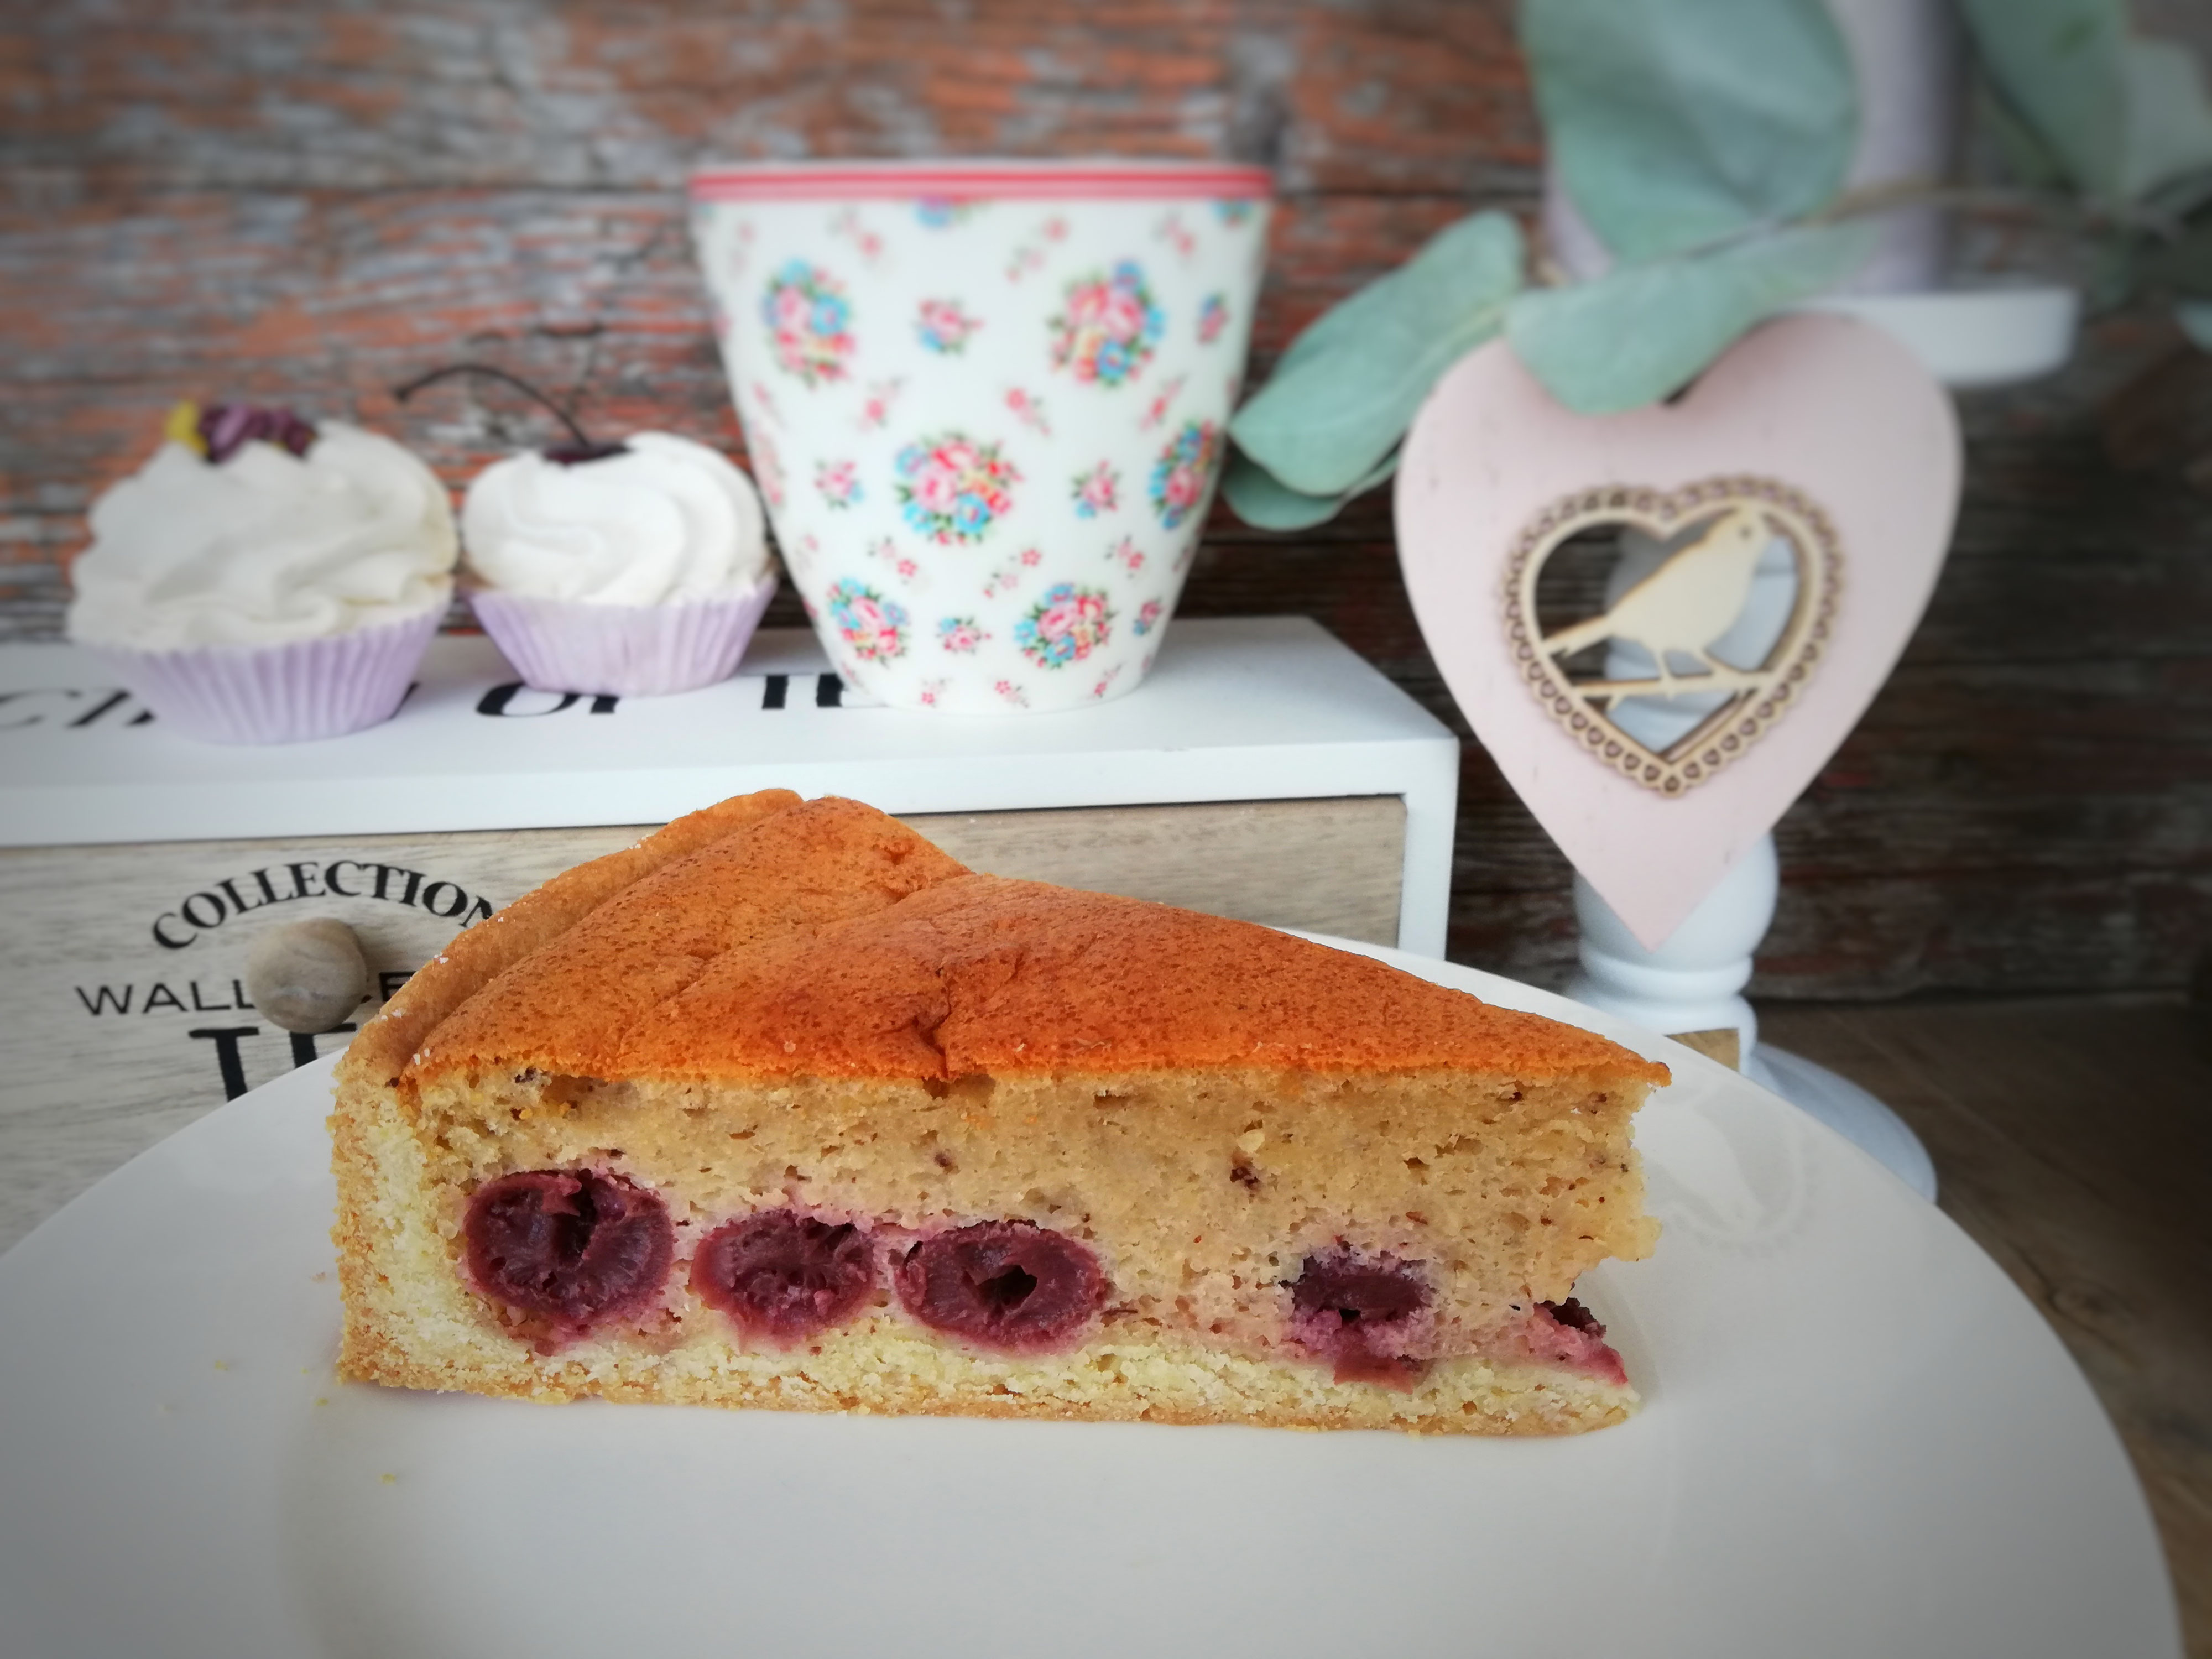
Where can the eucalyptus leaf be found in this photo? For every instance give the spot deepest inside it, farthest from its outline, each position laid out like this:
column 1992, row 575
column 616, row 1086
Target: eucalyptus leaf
column 2169, row 120
column 1677, row 123
column 1266, row 502
column 2126, row 115
column 2195, row 317
column 1342, row 395
column 2027, row 156
column 2057, row 62
column 1642, row 332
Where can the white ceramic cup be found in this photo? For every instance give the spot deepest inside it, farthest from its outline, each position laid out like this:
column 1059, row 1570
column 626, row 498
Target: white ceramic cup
column 986, row 403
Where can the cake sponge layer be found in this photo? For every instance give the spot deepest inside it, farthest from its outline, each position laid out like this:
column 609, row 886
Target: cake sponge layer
column 806, row 1011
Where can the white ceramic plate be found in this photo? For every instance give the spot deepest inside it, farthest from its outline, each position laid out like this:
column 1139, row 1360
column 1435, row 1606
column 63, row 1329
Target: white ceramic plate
column 1857, row 1439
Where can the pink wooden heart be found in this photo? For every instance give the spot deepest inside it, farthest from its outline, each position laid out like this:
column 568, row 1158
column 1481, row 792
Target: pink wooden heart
column 1817, row 435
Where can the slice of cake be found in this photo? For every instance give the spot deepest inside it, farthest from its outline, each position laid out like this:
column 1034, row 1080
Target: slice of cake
column 783, row 1107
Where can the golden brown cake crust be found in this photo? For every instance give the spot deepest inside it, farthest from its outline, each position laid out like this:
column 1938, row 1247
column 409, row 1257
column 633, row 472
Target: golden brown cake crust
column 382, row 1049
column 824, row 939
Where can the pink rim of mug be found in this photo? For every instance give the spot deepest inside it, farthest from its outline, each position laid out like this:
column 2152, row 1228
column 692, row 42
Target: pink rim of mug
column 1094, row 180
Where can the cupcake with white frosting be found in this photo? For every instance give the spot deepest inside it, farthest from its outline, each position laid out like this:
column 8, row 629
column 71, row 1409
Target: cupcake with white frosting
column 635, row 570
column 261, row 580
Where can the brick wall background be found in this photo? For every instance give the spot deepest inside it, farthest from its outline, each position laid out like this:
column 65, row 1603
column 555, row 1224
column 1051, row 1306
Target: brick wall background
column 311, row 202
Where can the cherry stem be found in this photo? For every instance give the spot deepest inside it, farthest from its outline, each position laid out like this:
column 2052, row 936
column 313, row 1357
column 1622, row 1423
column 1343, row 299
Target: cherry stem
column 401, row 394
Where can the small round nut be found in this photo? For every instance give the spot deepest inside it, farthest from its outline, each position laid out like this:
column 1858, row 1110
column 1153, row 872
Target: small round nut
column 308, row 976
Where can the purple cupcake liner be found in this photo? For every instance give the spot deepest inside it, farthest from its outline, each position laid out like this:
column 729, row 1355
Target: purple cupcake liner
column 622, row 650
column 294, row 692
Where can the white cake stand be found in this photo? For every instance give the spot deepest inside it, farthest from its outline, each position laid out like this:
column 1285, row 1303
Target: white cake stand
column 1694, row 982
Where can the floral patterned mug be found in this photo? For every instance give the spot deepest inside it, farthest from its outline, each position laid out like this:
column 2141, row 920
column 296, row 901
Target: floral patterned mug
column 986, row 404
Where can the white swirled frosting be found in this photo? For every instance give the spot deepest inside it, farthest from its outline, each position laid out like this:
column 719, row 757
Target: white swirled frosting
column 665, row 521
column 264, row 547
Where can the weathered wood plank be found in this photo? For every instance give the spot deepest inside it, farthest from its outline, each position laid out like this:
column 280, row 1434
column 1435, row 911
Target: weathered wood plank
column 309, row 204
column 216, row 92
column 2071, row 1138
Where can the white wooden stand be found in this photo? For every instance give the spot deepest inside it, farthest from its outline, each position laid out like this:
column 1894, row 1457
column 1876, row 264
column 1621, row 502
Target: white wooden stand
column 1694, row 982
column 1905, row 54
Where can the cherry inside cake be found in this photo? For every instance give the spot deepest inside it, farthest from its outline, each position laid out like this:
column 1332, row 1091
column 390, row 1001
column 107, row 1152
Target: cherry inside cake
column 784, row 1107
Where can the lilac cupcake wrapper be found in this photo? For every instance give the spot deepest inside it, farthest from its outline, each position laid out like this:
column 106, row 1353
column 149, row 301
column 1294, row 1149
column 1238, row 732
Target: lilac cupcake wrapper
column 622, row 650
column 292, row 692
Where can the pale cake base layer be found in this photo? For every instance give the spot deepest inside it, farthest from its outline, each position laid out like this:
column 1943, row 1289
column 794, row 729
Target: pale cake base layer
column 1196, row 1228
column 883, row 1365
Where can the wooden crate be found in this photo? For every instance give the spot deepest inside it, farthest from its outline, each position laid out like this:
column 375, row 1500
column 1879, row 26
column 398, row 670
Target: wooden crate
column 134, row 892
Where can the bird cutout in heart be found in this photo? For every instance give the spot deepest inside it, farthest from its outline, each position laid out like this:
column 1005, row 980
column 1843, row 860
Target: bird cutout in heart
column 1662, row 624
column 1686, row 639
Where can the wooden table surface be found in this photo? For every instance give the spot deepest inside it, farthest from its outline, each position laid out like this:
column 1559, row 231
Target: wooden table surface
column 2072, row 1139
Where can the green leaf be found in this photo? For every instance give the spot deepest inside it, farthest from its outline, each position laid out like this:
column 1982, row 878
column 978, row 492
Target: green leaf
column 1266, row 502
column 1676, row 123
column 2124, row 115
column 1342, row 395
column 2029, row 160
column 2195, row 317
column 2169, row 132
column 1643, row 332
column 2056, row 62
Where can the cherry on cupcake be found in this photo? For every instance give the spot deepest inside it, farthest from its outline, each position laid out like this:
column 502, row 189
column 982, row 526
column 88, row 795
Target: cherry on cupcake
column 579, row 450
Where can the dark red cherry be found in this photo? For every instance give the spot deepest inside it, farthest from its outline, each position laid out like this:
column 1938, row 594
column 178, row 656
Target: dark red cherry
column 784, row 1276
column 1568, row 1334
column 1357, row 1312
column 574, row 1246
column 1006, row 1285
column 1575, row 1316
column 1369, row 1293
column 225, row 428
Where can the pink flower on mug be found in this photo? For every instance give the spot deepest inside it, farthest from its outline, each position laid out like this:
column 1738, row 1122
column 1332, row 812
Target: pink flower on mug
column 961, row 635
column 1163, row 401
column 953, row 488
column 1148, row 618
column 1108, row 326
column 1212, row 317
column 944, row 327
column 767, row 469
column 808, row 321
column 1029, row 409
column 872, row 627
column 1009, row 691
column 1065, row 626
column 848, row 223
column 839, row 483
column 1097, row 491
column 1184, row 472
column 1125, row 553
column 876, row 407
